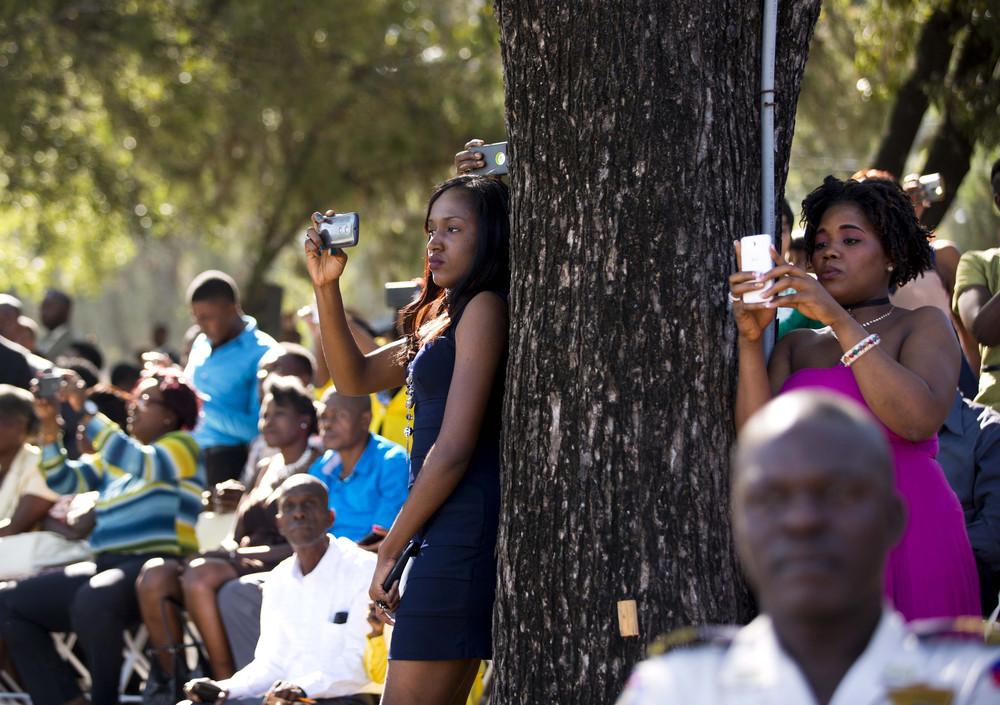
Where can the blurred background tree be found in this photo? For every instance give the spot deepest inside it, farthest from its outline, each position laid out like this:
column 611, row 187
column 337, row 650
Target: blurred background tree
column 909, row 87
column 141, row 142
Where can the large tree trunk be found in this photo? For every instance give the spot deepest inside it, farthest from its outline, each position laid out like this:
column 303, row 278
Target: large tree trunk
column 634, row 139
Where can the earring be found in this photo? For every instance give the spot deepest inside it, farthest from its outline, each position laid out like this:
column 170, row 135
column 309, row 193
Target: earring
column 888, row 268
column 303, row 425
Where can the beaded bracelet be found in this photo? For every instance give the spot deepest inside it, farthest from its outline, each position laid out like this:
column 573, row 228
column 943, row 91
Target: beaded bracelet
column 852, row 355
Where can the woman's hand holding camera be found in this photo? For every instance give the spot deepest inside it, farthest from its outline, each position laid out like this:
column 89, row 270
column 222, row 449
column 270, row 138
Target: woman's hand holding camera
column 325, row 266
column 57, row 386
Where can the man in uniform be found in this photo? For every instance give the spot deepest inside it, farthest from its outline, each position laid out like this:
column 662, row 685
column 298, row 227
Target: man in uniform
column 815, row 514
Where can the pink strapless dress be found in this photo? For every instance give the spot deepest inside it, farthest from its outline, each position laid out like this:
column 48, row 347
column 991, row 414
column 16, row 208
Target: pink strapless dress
column 932, row 572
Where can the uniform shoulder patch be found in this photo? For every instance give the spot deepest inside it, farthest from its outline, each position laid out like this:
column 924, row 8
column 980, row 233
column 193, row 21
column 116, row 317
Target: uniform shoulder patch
column 720, row 635
column 944, row 629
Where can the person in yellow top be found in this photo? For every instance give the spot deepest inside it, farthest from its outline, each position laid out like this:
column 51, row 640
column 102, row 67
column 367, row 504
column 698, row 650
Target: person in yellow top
column 377, row 656
column 977, row 303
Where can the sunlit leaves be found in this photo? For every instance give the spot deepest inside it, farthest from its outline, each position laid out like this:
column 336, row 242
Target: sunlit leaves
column 231, row 121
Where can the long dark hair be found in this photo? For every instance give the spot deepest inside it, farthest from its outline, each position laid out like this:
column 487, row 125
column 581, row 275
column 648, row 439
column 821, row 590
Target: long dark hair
column 436, row 309
column 904, row 239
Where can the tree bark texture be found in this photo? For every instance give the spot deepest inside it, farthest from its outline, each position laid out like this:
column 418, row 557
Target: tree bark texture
column 634, row 144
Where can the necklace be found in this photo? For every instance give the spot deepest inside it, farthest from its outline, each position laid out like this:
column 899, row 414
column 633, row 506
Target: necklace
column 408, row 430
column 876, row 320
column 869, row 302
column 303, row 461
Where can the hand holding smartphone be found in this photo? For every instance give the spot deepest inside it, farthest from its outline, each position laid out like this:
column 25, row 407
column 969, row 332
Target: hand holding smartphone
column 755, row 256
column 495, row 156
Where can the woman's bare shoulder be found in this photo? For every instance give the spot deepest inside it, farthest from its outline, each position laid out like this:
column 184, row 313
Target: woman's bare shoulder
column 925, row 319
column 487, row 308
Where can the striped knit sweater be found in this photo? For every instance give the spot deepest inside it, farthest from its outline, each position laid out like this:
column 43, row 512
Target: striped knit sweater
column 150, row 495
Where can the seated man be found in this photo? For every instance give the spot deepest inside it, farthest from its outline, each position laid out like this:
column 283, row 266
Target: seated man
column 366, row 476
column 314, row 618
column 969, row 454
column 815, row 514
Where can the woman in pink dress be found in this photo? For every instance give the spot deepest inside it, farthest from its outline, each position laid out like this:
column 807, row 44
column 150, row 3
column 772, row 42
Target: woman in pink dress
column 862, row 239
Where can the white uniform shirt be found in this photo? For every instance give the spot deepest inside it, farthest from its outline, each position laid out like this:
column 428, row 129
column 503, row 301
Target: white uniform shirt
column 300, row 639
column 755, row 669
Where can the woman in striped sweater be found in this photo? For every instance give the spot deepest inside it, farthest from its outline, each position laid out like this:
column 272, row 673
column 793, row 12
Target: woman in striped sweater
column 150, row 484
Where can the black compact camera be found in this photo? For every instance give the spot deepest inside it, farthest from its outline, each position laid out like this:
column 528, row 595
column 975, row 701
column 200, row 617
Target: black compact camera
column 206, row 691
column 48, row 385
column 338, row 231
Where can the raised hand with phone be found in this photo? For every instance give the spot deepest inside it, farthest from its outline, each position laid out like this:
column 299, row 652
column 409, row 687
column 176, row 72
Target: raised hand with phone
column 765, row 281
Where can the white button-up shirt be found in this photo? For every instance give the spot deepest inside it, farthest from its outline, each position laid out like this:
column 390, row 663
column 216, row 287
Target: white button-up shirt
column 312, row 627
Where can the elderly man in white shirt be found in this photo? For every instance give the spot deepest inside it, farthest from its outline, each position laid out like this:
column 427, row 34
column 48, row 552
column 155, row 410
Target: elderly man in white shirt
column 814, row 516
column 313, row 616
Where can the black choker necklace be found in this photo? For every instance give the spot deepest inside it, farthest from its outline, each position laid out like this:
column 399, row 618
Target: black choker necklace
column 867, row 303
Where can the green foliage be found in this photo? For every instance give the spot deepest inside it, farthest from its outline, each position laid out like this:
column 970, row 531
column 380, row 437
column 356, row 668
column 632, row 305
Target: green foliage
column 836, row 126
column 221, row 122
column 860, row 55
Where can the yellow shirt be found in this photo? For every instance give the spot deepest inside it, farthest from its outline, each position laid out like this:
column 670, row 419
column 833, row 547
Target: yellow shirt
column 982, row 268
column 377, row 657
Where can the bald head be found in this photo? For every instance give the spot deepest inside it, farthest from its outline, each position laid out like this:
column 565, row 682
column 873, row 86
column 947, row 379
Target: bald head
column 356, row 405
column 10, row 309
column 304, row 482
column 304, row 517
column 814, row 507
column 801, row 422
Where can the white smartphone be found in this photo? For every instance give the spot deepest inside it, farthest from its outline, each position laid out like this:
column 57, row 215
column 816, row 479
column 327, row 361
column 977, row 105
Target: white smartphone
column 755, row 256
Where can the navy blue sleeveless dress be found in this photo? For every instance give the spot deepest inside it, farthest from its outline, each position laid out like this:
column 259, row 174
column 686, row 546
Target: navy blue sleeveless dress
column 446, row 607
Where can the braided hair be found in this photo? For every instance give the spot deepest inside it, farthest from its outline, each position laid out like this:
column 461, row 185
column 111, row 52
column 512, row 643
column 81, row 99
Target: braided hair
column 904, row 239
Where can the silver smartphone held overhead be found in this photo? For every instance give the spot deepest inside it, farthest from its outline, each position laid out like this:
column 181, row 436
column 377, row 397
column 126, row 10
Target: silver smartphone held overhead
column 755, row 256
column 338, row 231
column 495, row 156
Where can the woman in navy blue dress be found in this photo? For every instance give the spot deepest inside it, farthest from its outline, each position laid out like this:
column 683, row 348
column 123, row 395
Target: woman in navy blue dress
column 452, row 362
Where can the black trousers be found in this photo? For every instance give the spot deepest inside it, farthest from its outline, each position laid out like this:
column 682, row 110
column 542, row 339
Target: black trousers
column 224, row 463
column 96, row 600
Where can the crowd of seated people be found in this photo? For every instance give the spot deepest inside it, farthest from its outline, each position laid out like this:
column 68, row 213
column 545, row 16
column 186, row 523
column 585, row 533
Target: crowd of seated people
column 104, row 485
